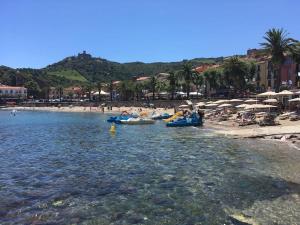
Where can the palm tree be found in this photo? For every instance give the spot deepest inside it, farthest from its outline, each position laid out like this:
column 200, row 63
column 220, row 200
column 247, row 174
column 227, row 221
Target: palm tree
column 172, row 83
column 236, row 72
column 59, row 89
column 99, row 87
column 153, row 84
column 138, row 87
column 212, row 79
column 126, row 90
column 89, row 88
column 277, row 45
column 187, row 74
column 198, row 81
column 111, row 88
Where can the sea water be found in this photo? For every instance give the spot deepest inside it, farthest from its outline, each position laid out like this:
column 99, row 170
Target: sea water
column 67, row 168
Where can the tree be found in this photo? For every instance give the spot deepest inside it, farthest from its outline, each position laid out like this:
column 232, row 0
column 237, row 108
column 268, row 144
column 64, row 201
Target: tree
column 213, row 79
column 153, row 83
column 111, row 89
column 60, row 90
column 33, row 89
column 187, row 73
column 126, row 90
column 172, row 83
column 198, row 81
column 277, row 44
column 236, row 73
column 88, row 88
column 138, row 87
column 46, row 91
column 99, row 87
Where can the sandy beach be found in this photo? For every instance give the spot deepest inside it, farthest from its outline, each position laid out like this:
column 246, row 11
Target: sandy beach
column 82, row 109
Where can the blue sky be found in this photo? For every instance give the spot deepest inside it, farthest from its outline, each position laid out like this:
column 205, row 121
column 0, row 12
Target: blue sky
column 37, row 33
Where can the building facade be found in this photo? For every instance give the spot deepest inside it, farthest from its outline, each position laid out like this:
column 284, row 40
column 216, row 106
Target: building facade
column 288, row 73
column 13, row 92
column 265, row 78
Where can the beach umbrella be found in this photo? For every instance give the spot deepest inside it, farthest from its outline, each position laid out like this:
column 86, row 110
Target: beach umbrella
column 285, row 93
column 211, row 105
column 255, row 106
column 236, row 100
column 260, row 106
column 221, row 101
column 195, row 93
column 183, row 106
column 271, row 100
column 241, row 106
column 224, row 105
column 295, row 100
column 189, row 102
column 267, row 94
column 101, row 93
column 268, row 106
column 200, row 104
column 251, row 101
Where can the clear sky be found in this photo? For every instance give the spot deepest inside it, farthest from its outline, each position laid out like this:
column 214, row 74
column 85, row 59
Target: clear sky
column 35, row 33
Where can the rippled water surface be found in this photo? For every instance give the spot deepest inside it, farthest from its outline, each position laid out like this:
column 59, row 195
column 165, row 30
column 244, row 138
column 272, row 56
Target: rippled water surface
column 66, row 168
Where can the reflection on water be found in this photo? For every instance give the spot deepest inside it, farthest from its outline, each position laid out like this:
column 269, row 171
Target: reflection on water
column 64, row 168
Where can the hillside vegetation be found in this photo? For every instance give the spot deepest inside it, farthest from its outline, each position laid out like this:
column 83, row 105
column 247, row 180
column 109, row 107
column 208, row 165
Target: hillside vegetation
column 84, row 69
column 71, row 75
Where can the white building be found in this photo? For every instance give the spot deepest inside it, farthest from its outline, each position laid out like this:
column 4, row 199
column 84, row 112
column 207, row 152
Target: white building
column 13, row 92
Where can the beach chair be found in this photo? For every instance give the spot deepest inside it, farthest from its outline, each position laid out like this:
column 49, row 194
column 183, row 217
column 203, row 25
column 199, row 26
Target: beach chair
column 268, row 120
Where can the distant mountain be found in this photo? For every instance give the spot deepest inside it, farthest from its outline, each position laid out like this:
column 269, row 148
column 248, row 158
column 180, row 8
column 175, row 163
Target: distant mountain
column 84, row 68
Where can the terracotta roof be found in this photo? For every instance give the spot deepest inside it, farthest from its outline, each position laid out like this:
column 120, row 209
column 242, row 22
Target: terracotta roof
column 6, row 87
column 203, row 68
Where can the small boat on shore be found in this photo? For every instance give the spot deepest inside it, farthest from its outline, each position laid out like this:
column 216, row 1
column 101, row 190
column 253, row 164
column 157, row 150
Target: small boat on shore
column 161, row 116
column 173, row 117
column 117, row 119
column 137, row 121
column 194, row 120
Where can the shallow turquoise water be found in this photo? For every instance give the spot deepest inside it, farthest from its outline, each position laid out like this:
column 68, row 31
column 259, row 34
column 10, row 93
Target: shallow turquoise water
column 66, row 168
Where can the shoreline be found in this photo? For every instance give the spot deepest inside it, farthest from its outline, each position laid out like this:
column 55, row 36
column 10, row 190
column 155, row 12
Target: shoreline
column 287, row 131
column 82, row 109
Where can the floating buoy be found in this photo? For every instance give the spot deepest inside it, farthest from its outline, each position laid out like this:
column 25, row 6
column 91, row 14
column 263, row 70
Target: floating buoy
column 113, row 128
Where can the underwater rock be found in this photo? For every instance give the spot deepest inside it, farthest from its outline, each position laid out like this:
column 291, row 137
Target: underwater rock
column 168, row 177
column 134, row 218
column 209, row 184
column 240, row 219
column 117, row 216
column 3, row 213
column 163, row 201
column 104, row 191
column 168, row 185
column 58, row 203
column 127, row 189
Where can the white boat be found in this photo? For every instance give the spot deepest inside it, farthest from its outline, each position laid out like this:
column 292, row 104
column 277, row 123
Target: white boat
column 137, row 121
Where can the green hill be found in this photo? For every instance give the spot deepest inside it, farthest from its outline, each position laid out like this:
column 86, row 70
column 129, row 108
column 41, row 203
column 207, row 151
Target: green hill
column 83, row 68
column 71, row 75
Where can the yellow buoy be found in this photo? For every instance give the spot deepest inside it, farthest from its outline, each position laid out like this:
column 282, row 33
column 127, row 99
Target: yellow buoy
column 113, row 128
